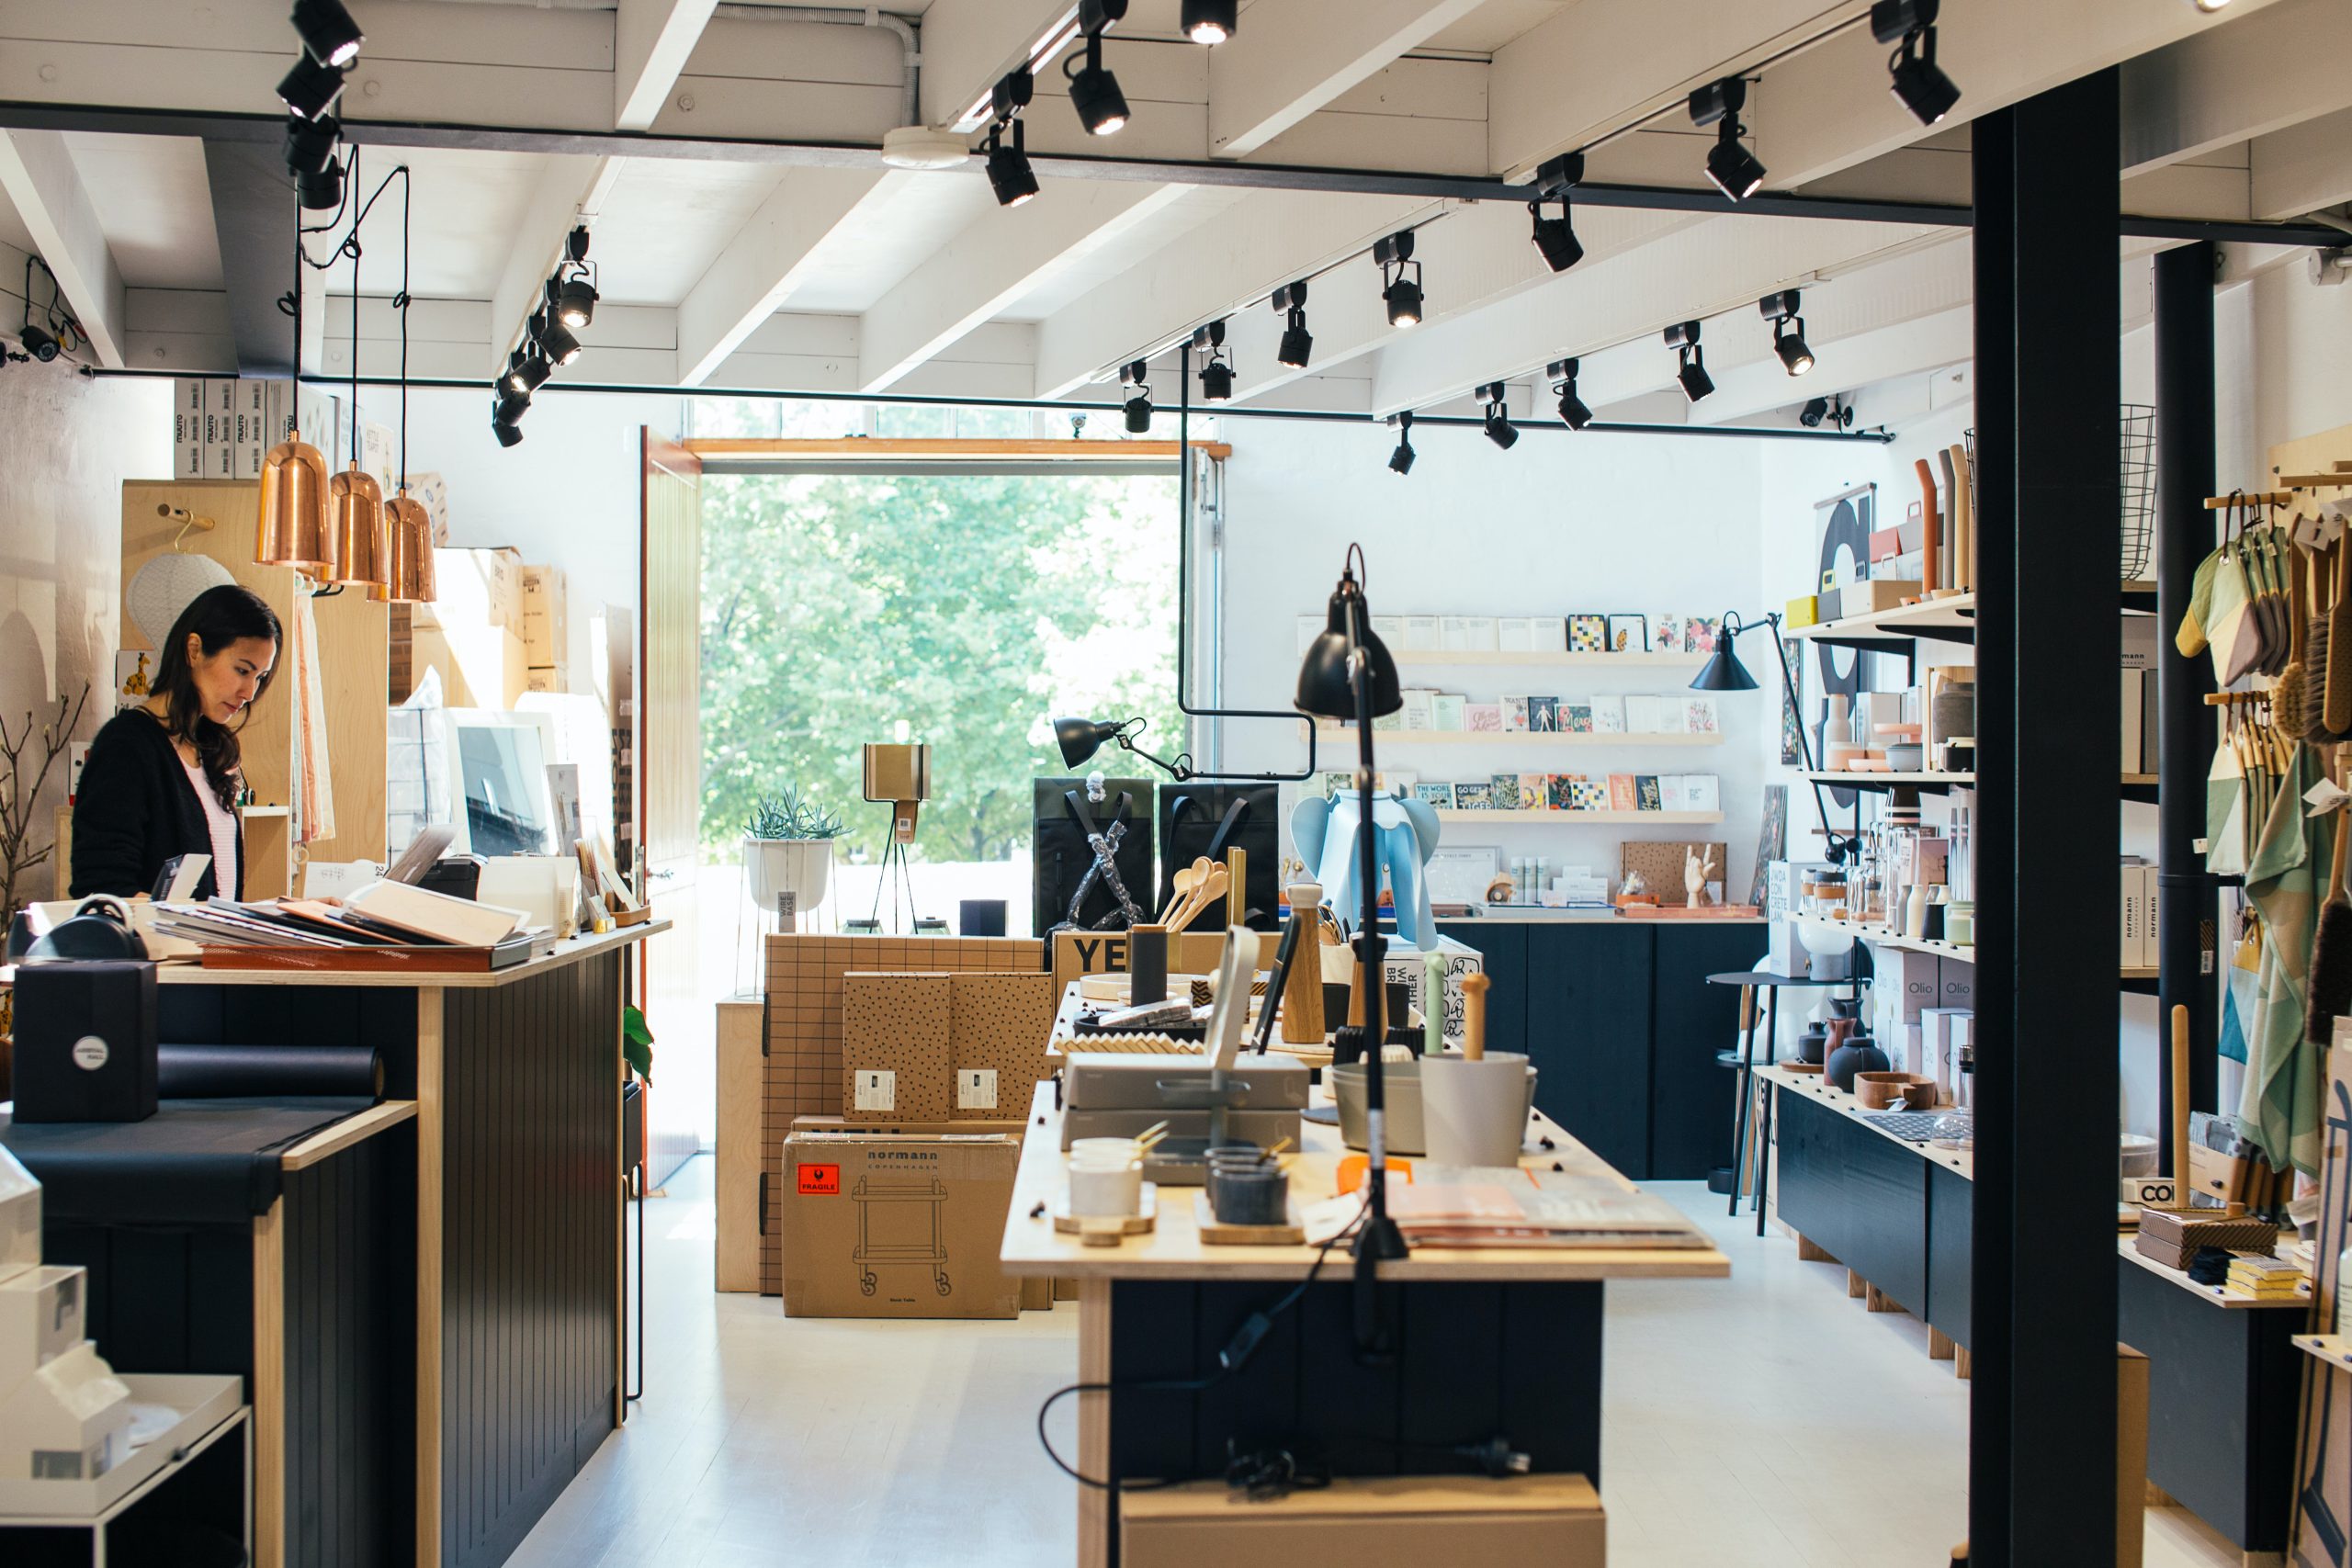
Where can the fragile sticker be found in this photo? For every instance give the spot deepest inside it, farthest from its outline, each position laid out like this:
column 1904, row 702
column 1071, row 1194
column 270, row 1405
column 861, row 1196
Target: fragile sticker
column 820, row 1180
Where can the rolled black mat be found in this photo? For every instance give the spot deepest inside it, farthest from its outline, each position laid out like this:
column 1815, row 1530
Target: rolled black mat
column 231, row 1072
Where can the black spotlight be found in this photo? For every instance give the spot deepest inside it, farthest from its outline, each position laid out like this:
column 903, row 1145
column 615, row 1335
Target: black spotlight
column 1297, row 344
column 309, row 89
column 1101, row 108
column 1400, row 461
column 507, row 410
column 1211, row 22
column 320, row 190
column 1401, row 294
column 576, row 296
column 1788, row 331
column 1919, row 85
column 1217, row 373
column 528, row 370
column 1138, row 403
column 1010, row 174
column 555, row 339
column 1683, row 338
column 1734, row 169
column 328, row 31
column 1562, row 374
column 1832, row 409
column 309, row 143
column 1555, row 238
column 1500, row 429
column 508, row 435
column 38, row 342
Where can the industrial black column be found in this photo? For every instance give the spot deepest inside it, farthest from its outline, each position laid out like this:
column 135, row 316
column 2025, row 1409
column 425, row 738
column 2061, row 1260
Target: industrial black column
column 2041, row 1440
column 2187, row 913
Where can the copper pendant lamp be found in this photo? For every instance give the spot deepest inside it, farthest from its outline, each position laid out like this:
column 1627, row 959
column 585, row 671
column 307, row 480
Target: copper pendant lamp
column 409, row 577
column 355, row 516
column 293, row 529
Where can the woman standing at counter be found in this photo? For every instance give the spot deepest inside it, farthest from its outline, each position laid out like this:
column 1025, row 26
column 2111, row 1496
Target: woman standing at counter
column 162, row 778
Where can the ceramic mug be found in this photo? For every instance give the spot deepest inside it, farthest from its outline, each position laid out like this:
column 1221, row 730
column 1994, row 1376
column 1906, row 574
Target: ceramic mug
column 1105, row 1191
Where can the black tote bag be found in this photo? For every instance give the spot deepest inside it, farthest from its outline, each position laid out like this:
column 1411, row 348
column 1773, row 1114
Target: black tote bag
column 1063, row 858
column 1206, row 819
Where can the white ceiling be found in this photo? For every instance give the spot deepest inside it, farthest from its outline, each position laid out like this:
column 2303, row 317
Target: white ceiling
column 153, row 202
column 883, row 240
column 666, row 219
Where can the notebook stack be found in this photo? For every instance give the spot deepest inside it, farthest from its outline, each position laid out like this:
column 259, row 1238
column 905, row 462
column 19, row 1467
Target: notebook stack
column 2265, row 1278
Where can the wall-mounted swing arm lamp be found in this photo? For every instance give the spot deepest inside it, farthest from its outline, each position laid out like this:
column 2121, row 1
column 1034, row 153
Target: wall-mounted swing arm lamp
column 1725, row 672
column 1079, row 738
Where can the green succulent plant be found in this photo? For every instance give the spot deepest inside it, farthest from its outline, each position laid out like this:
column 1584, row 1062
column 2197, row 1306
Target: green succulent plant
column 786, row 816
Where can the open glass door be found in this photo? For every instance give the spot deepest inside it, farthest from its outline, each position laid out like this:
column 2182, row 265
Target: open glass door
column 681, row 1104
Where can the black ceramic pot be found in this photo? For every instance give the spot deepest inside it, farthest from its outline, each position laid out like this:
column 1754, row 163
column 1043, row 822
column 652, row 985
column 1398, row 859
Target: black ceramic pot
column 1812, row 1042
column 1859, row 1054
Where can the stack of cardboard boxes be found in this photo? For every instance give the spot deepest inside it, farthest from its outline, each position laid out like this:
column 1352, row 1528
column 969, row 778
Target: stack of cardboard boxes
column 472, row 633
column 546, row 646
column 223, row 427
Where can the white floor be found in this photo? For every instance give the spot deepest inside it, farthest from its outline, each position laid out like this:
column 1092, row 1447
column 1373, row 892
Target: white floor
column 1766, row 1420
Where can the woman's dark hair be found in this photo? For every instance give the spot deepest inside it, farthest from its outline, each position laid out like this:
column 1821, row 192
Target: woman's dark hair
column 217, row 617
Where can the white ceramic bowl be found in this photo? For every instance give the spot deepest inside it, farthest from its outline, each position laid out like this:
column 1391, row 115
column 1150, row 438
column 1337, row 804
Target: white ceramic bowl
column 1105, row 1191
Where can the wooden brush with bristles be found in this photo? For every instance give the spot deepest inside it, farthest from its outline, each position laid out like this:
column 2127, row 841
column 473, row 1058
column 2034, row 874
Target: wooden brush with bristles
column 2329, row 992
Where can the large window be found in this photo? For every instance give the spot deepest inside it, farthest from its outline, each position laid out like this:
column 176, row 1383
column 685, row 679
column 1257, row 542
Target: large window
column 964, row 609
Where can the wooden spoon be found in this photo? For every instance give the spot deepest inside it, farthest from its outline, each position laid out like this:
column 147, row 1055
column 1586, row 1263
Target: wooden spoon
column 1212, row 888
column 1186, row 879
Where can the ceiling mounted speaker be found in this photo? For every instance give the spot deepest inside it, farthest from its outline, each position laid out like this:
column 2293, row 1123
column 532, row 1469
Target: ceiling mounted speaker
column 166, row 585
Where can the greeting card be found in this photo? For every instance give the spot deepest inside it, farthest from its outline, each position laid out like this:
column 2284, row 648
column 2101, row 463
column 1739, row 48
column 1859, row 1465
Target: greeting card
column 1484, row 718
column 1544, row 715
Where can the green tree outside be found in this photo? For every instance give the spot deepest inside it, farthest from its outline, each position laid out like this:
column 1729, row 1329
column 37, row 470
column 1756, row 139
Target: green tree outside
column 972, row 608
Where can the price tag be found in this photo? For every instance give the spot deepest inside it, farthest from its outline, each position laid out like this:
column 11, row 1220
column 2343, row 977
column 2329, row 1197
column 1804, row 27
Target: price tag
column 877, row 1089
column 976, row 1089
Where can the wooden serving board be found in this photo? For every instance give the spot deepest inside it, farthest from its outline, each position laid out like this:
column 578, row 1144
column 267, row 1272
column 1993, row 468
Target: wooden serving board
column 1216, row 1233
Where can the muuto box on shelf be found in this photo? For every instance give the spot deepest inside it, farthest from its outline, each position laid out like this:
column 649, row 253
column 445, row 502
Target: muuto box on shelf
column 895, row 1224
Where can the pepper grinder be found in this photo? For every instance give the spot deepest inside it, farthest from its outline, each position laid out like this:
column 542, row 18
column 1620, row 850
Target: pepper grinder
column 1302, row 1013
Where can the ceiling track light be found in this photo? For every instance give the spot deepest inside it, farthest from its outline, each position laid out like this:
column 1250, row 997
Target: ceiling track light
column 309, row 143
column 1094, row 90
column 1211, row 22
column 1555, row 238
column 1835, row 409
column 1402, row 295
column 556, row 339
column 1138, row 404
column 1297, row 344
column 320, row 190
column 574, row 299
column 328, row 31
column 1562, row 374
column 1788, row 330
column 1500, row 429
column 1734, row 170
column 309, row 89
column 1400, row 461
column 1692, row 360
column 1917, row 82
column 1216, row 371
column 1009, row 176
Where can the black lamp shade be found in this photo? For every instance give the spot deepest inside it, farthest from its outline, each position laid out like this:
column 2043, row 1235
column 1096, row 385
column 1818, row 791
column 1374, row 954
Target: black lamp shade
column 1324, row 690
column 1557, row 244
column 1101, row 108
column 1403, row 300
column 575, row 304
column 309, row 89
column 1079, row 738
column 1722, row 672
column 1921, row 86
column 1009, row 176
column 328, row 31
column 1216, row 382
column 1139, row 413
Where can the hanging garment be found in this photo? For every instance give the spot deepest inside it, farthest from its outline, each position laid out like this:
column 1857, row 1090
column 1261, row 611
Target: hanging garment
column 2281, row 1103
column 2225, row 831
column 2244, row 983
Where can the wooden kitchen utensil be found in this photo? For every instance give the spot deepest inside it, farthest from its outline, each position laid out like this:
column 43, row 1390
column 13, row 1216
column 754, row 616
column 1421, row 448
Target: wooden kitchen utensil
column 2336, row 712
column 1926, row 525
column 1237, row 886
column 2329, row 993
column 1964, row 530
column 1473, row 1016
column 1302, row 1010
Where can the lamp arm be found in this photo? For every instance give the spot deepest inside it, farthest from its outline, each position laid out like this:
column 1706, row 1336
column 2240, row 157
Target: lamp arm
column 1179, row 769
column 1838, row 845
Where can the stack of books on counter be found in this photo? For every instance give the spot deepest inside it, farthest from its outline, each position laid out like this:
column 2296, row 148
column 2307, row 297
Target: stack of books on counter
column 1449, row 1205
column 384, row 925
column 2265, row 1279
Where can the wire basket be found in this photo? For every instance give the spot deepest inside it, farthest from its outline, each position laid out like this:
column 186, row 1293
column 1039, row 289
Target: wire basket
column 2137, row 428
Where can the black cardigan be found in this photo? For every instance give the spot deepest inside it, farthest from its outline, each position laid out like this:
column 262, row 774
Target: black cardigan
column 136, row 809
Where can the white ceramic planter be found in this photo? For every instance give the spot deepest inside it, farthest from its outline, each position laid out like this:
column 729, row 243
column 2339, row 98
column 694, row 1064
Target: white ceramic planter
column 802, row 867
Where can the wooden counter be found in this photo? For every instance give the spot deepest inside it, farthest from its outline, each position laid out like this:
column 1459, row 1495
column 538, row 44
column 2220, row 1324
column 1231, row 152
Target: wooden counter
column 516, row 1079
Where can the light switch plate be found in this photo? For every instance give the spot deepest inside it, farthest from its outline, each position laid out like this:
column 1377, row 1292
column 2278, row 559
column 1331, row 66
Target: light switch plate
column 877, row 1089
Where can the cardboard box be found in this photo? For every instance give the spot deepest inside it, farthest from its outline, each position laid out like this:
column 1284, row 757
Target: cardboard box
column 477, row 588
column 998, row 1026
column 802, row 1068
column 481, row 666
column 188, row 427
column 249, row 426
column 1370, row 1522
column 547, row 626
column 878, row 1225
column 741, row 1175
column 432, row 492
column 1804, row 611
column 545, row 677
column 1876, row 595
column 895, row 1053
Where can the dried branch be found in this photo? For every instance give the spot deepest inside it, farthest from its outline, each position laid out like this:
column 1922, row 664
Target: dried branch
column 17, row 799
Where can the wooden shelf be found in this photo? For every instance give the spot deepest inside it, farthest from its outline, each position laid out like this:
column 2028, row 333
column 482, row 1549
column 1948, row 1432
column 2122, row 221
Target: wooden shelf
column 1580, row 818
column 249, row 811
column 2216, row 1295
column 2336, row 1349
column 1929, row 618
column 1889, row 780
column 1550, row 661
column 1957, row 951
column 1532, row 738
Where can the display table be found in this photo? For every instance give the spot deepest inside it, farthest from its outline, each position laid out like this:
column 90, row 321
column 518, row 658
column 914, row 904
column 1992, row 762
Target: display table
column 1494, row 1340
column 1900, row 1217
column 516, row 1341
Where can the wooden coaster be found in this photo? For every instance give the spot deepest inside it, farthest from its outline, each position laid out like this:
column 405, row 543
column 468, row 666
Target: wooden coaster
column 1218, row 1234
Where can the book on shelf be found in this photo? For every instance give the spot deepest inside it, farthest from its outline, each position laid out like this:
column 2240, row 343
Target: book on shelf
column 1561, row 793
column 1535, row 791
column 1588, row 795
column 1445, row 710
column 1550, row 634
column 1699, row 714
column 1468, row 634
column 1474, row 795
column 1576, row 718
column 1420, row 709
column 1506, row 791
column 1645, row 792
column 1623, row 796
column 1423, row 635
column 1389, row 629
column 1701, row 792
column 1437, row 795
column 1544, row 715
column 1515, row 634
column 1669, row 792
column 1514, row 716
column 1607, row 715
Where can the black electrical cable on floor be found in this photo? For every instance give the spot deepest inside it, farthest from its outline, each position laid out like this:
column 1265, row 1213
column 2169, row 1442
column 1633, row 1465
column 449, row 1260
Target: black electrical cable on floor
column 1232, row 1358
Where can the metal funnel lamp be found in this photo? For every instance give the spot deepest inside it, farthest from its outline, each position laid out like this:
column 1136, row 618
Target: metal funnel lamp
column 1725, row 672
column 1079, row 738
column 1349, row 674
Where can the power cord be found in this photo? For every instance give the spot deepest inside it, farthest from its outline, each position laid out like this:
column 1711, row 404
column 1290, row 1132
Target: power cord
column 1231, row 1360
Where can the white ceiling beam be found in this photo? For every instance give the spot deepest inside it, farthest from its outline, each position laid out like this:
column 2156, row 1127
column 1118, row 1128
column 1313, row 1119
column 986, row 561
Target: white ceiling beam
column 1714, row 268
column 968, row 44
column 570, row 191
column 1602, row 65
column 1828, row 108
column 1293, row 58
column 651, row 40
column 1860, row 359
column 1258, row 239
column 755, row 275
column 2303, row 168
column 995, row 260
column 2263, row 72
column 38, row 172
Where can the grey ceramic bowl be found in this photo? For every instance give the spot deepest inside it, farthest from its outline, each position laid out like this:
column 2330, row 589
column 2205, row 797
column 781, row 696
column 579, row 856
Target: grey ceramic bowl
column 1400, row 1084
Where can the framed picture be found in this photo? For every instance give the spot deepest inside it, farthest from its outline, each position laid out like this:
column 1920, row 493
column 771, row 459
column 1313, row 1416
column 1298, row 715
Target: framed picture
column 1587, row 634
column 1629, row 633
column 1771, row 840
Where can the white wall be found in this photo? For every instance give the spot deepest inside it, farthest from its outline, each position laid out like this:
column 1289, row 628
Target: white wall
column 1559, row 524
column 567, row 496
column 71, row 443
